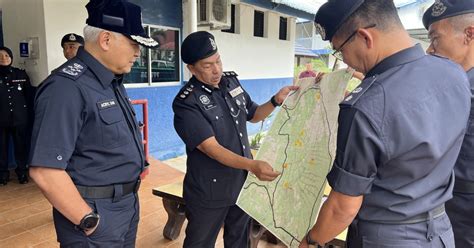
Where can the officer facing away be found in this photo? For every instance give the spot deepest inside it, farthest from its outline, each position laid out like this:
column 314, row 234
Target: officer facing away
column 70, row 43
column 86, row 153
column 399, row 134
column 211, row 112
column 451, row 31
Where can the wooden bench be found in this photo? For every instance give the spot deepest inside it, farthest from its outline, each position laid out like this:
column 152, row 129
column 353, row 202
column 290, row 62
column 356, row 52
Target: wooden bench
column 175, row 206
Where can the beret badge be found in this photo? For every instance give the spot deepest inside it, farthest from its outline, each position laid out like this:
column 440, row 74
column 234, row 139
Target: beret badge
column 320, row 29
column 438, row 8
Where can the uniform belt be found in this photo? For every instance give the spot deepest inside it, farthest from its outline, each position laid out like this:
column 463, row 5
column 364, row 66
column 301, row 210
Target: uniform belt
column 435, row 213
column 100, row 192
column 463, row 186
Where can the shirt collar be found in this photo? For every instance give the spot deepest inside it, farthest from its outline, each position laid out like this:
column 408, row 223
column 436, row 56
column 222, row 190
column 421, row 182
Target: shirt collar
column 209, row 88
column 104, row 75
column 403, row 57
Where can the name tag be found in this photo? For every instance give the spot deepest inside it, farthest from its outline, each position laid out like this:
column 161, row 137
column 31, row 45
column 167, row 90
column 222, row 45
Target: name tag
column 18, row 80
column 237, row 91
column 106, row 104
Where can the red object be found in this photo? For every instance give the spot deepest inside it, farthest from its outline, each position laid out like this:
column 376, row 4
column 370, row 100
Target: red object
column 144, row 103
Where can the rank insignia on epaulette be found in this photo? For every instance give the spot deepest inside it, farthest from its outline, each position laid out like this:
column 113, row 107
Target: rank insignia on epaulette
column 73, row 70
column 354, row 96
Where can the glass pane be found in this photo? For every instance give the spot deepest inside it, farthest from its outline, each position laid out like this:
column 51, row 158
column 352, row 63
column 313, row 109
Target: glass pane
column 165, row 59
column 139, row 73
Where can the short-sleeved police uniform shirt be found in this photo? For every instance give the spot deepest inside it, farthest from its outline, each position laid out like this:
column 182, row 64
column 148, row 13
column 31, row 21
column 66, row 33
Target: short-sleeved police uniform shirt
column 464, row 168
column 399, row 136
column 85, row 124
column 202, row 111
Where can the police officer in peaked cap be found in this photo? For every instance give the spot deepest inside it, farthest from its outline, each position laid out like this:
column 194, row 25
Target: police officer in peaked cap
column 70, row 43
column 86, row 152
column 451, row 30
column 210, row 116
column 399, row 134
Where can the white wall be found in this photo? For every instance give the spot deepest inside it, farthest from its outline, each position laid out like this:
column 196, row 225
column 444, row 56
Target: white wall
column 412, row 15
column 23, row 19
column 62, row 17
column 256, row 57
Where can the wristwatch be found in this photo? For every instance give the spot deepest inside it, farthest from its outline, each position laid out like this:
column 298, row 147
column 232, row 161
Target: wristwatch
column 274, row 102
column 88, row 222
column 312, row 242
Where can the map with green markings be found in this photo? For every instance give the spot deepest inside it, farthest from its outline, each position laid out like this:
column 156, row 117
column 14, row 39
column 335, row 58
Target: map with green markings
column 301, row 144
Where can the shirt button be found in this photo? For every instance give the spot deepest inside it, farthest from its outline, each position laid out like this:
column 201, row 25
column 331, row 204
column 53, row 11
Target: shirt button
column 11, row 110
column 214, row 180
column 243, row 147
column 241, row 135
column 237, row 122
column 217, row 117
column 59, row 157
column 232, row 109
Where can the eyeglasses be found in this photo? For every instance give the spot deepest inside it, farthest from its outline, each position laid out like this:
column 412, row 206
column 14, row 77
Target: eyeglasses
column 338, row 52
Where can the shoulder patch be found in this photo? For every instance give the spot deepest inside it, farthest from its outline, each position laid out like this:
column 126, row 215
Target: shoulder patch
column 355, row 95
column 185, row 91
column 72, row 70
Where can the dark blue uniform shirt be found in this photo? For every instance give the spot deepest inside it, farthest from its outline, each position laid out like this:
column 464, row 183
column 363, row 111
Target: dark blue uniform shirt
column 85, row 124
column 201, row 112
column 400, row 134
column 465, row 165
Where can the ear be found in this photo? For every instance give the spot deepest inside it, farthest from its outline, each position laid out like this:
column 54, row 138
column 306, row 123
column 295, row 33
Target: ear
column 190, row 68
column 104, row 40
column 367, row 36
column 469, row 32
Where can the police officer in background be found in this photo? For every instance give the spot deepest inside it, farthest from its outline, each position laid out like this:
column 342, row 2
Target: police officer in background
column 16, row 105
column 70, row 43
column 211, row 112
column 399, row 133
column 451, row 30
column 87, row 153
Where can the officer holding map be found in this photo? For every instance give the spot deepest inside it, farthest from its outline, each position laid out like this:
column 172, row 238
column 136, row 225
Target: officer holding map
column 211, row 112
column 399, row 133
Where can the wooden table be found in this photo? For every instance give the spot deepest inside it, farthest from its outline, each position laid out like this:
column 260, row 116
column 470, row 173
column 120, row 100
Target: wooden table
column 175, row 206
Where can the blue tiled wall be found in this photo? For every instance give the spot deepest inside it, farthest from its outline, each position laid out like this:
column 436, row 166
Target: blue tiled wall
column 163, row 140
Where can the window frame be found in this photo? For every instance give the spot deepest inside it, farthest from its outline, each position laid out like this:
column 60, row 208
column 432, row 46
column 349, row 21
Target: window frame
column 150, row 83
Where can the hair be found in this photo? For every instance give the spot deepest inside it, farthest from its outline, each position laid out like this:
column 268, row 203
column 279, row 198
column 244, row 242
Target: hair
column 382, row 13
column 91, row 34
column 461, row 22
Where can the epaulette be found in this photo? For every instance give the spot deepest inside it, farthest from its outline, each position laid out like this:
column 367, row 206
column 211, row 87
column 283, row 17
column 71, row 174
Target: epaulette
column 230, row 74
column 185, row 91
column 72, row 70
column 355, row 95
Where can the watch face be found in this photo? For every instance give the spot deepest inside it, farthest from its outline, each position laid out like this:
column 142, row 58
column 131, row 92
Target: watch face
column 90, row 221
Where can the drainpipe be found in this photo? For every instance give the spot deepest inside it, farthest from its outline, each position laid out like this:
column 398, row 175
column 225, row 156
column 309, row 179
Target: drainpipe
column 189, row 26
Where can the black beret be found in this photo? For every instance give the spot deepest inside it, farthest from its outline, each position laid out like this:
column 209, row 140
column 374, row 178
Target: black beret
column 198, row 45
column 72, row 38
column 442, row 9
column 119, row 16
column 332, row 15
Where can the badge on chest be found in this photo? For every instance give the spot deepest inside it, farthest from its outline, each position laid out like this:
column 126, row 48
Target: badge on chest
column 235, row 92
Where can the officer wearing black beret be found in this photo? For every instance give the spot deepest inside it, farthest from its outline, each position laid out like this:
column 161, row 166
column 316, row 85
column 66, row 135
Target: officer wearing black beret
column 451, row 30
column 16, row 106
column 399, row 133
column 211, row 112
column 87, row 152
column 70, row 43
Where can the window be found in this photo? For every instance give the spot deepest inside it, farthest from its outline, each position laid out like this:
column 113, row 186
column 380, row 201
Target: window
column 283, row 28
column 160, row 64
column 232, row 21
column 258, row 23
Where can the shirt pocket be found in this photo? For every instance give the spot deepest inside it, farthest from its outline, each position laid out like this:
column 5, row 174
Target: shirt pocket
column 389, row 243
column 218, row 184
column 113, row 128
